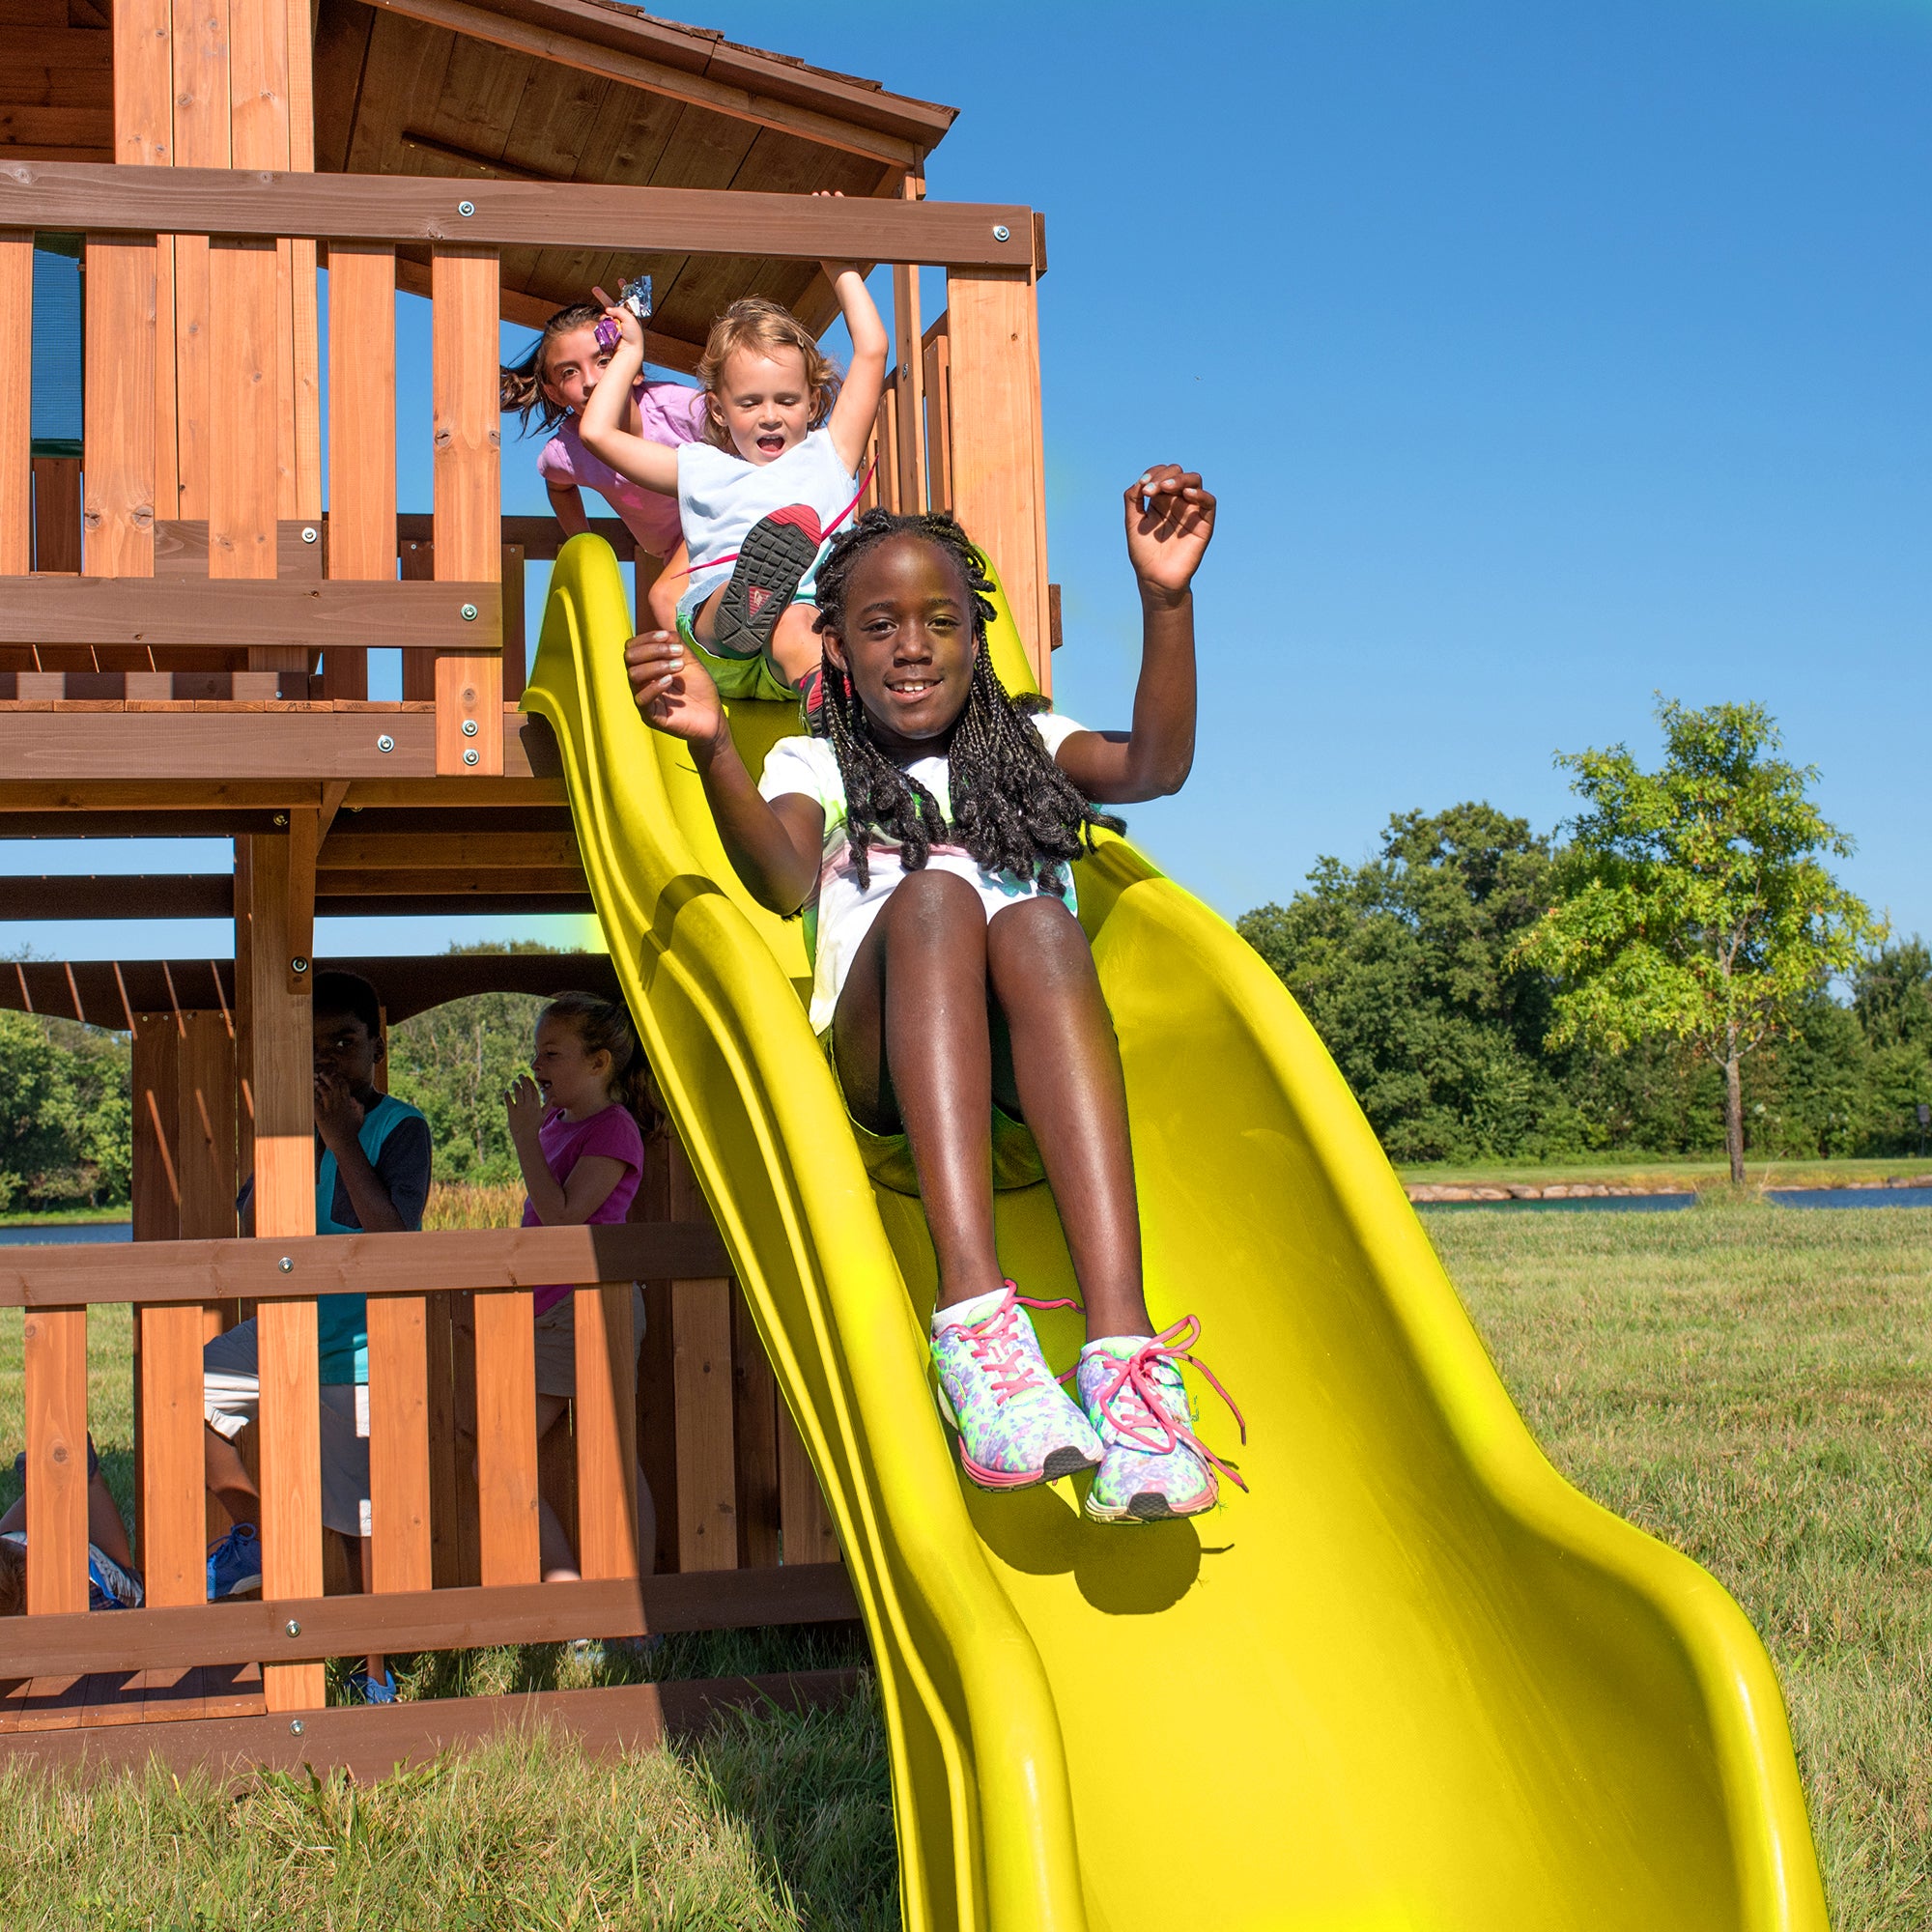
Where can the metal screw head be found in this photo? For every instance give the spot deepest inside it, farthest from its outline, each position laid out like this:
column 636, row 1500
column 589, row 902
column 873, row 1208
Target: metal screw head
column 465, row 208
column 470, row 755
column 295, row 1727
column 280, row 818
column 287, row 1264
column 310, row 533
column 1001, row 232
column 385, row 743
column 469, row 727
column 469, row 614
column 298, row 964
column 292, row 1627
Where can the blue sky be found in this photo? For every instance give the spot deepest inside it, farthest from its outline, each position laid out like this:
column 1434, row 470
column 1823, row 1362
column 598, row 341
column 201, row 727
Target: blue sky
column 1544, row 356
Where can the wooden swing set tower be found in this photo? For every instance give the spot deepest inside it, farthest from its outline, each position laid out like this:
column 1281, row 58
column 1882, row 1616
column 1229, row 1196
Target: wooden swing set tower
column 188, row 601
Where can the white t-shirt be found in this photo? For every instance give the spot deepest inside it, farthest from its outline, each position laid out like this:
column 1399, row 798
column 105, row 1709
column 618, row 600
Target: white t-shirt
column 720, row 497
column 840, row 912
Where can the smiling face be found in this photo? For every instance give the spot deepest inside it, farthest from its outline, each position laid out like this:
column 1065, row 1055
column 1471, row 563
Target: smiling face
column 763, row 402
column 908, row 643
column 570, row 1078
column 573, row 363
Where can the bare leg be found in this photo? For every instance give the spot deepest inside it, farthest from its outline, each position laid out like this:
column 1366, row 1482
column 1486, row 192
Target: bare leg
column 913, row 1045
column 796, row 647
column 704, row 626
column 104, row 1528
column 661, row 601
column 1066, row 1066
column 227, row 1475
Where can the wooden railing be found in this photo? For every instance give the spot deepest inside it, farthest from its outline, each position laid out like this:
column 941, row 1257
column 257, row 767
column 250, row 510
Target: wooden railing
column 455, row 1560
column 231, row 409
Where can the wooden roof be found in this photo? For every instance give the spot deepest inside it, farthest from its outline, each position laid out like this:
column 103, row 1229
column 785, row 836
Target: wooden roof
column 592, row 91
column 56, row 80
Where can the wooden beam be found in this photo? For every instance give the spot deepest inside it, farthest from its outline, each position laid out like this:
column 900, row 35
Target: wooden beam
column 184, row 612
column 523, row 214
column 548, row 44
column 470, row 1258
column 354, row 850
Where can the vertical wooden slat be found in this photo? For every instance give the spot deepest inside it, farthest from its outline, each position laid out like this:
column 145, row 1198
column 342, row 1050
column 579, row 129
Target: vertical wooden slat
column 809, row 1535
column 886, row 451
column 362, row 433
column 205, row 1127
column 938, row 415
column 464, row 284
column 280, row 1075
column 157, row 1160
column 445, row 1457
column 997, row 471
column 143, row 85
column 174, row 1547
column 908, row 338
column 417, row 563
column 299, row 399
column 17, row 401
column 514, row 648
column 399, row 1462
column 707, row 1476
column 57, row 526
column 656, row 1404
column 244, row 359
column 201, row 140
column 506, row 1436
column 56, row 1401
column 755, row 1425
column 119, row 408
column 606, row 1424
column 469, row 1528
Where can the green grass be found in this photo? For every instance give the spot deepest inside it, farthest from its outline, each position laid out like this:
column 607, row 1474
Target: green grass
column 1637, row 1169
column 1754, row 1385
column 65, row 1217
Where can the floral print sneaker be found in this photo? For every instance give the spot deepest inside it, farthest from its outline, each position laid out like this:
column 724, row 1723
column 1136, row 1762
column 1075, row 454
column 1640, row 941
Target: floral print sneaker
column 1016, row 1425
column 1156, row 1466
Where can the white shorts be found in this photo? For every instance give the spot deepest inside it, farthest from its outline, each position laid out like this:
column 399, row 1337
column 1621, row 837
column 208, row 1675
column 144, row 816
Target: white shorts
column 231, row 1399
column 557, row 1341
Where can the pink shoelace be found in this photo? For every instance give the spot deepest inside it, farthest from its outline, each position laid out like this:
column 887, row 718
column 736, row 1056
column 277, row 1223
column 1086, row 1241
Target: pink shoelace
column 1134, row 1381
column 999, row 1345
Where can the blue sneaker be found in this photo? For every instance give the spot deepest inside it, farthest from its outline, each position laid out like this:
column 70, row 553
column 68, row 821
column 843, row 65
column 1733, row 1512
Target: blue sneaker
column 235, row 1563
column 370, row 1689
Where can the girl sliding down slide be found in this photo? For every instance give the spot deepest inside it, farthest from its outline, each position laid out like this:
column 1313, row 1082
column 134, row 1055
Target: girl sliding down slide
column 927, row 828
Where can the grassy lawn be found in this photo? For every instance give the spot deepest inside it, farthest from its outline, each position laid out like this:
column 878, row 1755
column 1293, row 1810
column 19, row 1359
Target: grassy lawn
column 1662, row 1170
column 1752, row 1385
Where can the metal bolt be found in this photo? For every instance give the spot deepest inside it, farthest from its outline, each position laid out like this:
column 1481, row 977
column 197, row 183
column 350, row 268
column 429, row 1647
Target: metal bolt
column 280, row 818
column 470, row 755
column 287, row 1264
column 469, row 614
column 469, row 727
column 385, row 743
column 465, row 208
column 292, row 1627
column 295, row 1727
column 1001, row 232
column 298, row 964
column 310, row 533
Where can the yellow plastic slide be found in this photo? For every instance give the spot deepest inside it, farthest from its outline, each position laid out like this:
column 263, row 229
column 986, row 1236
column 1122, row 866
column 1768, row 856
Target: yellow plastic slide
column 1411, row 1680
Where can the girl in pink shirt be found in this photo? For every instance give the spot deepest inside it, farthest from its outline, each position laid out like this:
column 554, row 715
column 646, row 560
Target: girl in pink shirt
column 575, row 1129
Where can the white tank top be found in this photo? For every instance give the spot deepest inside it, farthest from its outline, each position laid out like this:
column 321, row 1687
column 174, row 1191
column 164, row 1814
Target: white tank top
column 720, row 497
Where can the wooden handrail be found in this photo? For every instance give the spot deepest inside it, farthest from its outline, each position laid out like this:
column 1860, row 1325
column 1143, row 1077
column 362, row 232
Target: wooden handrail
column 101, row 199
column 74, row 1642
column 318, row 1265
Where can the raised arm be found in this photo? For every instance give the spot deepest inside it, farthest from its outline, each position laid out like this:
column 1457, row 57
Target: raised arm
column 858, row 405
column 1170, row 520
column 606, row 425
column 774, row 846
column 566, row 503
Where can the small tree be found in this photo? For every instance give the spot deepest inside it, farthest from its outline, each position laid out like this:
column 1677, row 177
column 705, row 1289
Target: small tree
column 1692, row 903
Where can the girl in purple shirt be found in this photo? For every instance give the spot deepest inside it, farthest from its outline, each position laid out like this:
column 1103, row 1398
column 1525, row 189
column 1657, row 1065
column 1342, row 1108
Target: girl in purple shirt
column 575, row 1129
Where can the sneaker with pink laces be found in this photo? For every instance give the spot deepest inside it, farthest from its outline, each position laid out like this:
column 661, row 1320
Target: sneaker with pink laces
column 770, row 565
column 1155, row 1467
column 1016, row 1425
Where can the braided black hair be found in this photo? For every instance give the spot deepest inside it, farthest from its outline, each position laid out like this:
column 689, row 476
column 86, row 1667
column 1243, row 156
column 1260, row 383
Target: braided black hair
column 1013, row 809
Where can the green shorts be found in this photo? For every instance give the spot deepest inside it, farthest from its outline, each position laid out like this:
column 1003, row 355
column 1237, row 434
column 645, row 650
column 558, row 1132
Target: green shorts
column 754, row 676
column 888, row 1157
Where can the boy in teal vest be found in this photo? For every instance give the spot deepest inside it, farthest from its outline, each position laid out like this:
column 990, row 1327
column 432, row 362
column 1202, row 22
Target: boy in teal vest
column 371, row 1175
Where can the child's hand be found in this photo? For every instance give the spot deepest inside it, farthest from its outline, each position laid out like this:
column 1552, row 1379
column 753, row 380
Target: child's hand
column 673, row 691
column 1170, row 522
column 834, row 269
column 628, row 326
column 523, row 1102
column 338, row 1113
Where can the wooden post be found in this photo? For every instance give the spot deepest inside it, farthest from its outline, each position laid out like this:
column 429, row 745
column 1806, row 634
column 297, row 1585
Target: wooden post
column 279, row 1071
column 362, row 433
column 17, row 401
column 999, row 486
column 469, row 494
column 909, row 345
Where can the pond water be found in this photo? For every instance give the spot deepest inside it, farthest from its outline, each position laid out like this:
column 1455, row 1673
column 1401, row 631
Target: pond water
column 1852, row 1197
column 62, row 1234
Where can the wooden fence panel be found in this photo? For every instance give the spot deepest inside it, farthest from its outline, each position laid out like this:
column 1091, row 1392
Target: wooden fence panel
column 362, row 435
column 707, row 1478
column 174, row 1517
column 55, row 1365
column 809, row 1534
column 506, row 1436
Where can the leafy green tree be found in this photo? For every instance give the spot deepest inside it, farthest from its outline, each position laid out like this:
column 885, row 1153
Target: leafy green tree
column 1693, row 903
column 65, row 1130
column 1891, row 995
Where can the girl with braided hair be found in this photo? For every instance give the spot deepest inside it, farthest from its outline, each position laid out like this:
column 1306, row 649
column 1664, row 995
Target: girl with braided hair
column 925, row 830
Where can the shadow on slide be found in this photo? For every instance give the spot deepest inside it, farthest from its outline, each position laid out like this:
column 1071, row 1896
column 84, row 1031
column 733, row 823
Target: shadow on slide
column 1411, row 1680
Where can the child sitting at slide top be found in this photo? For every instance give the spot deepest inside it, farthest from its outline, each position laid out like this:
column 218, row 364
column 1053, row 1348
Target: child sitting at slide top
column 113, row 1583
column 575, row 1126
column 927, row 827
column 776, row 475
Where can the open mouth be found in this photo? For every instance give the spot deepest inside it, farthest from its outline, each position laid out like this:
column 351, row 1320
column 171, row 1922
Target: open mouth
column 909, row 691
column 771, row 445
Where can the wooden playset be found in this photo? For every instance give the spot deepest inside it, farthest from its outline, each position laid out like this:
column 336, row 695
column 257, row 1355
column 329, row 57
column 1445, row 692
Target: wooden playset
column 188, row 600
